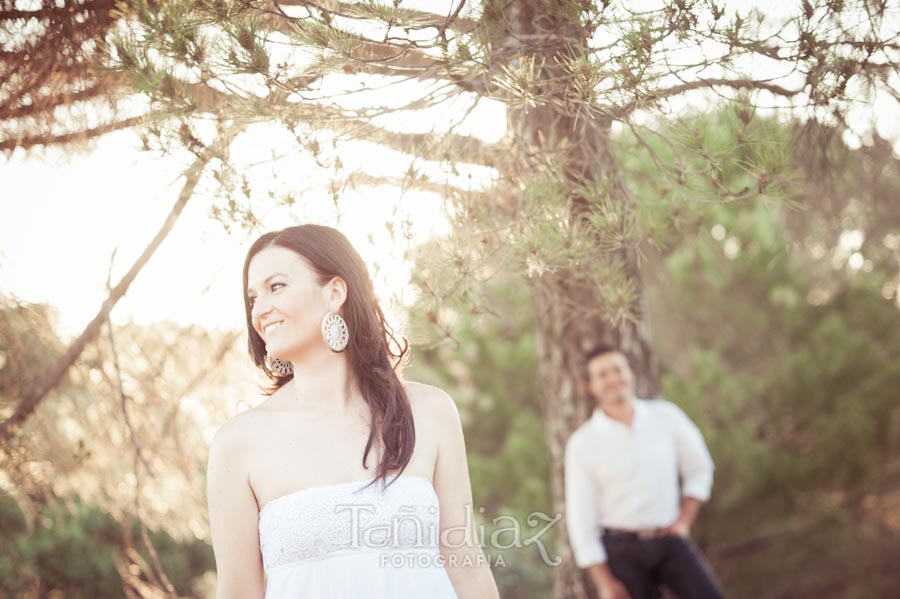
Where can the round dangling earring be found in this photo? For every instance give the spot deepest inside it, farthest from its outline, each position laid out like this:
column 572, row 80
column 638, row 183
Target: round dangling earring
column 282, row 367
column 335, row 332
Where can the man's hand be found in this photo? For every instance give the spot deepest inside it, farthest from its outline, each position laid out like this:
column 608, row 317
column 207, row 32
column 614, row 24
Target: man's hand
column 682, row 525
column 613, row 589
column 679, row 528
column 608, row 586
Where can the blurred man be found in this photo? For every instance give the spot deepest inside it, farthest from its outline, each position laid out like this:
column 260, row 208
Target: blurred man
column 622, row 471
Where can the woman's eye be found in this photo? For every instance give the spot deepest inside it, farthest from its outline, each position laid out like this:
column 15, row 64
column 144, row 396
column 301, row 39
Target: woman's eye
column 275, row 285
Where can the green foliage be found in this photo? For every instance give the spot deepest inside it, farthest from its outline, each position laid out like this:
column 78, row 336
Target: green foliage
column 784, row 357
column 72, row 549
column 680, row 172
column 780, row 402
column 69, row 543
column 795, row 390
column 488, row 367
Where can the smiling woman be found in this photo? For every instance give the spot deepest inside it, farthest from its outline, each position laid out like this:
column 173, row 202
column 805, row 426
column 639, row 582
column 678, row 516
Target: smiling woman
column 311, row 272
column 291, row 511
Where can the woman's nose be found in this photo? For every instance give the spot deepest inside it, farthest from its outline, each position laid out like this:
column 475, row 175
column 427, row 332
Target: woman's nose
column 260, row 307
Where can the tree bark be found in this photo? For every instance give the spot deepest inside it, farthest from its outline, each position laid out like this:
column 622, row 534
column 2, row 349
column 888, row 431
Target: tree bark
column 569, row 315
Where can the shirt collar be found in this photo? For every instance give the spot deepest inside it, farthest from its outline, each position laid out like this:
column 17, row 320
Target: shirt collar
column 600, row 417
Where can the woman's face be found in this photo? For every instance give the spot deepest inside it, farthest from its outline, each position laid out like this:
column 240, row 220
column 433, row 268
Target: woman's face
column 287, row 301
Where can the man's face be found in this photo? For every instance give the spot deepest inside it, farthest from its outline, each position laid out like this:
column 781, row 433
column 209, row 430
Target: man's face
column 610, row 379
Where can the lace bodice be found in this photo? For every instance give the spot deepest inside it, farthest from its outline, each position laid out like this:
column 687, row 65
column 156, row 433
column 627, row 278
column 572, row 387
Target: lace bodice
column 346, row 518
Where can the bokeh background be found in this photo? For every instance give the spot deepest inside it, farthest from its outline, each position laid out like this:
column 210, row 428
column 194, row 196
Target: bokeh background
column 714, row 186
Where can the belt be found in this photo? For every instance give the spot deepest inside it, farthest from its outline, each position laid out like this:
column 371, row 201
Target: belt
column 641, row 534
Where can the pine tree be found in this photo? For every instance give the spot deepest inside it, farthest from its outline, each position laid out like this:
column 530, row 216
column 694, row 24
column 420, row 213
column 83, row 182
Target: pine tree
column 571, row 73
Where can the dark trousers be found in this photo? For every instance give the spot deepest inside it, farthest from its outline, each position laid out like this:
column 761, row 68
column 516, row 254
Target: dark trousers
column 643, row 564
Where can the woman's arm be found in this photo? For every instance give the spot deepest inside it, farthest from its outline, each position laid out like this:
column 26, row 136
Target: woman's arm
column 464, row 560
column 233, row 517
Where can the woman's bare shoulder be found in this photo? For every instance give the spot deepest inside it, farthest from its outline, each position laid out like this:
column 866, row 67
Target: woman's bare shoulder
column 425, row 393
column 236, row 432
column 434, row 402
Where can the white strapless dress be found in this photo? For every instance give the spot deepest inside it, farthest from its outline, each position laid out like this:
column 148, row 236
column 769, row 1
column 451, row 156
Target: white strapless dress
column 350, row 540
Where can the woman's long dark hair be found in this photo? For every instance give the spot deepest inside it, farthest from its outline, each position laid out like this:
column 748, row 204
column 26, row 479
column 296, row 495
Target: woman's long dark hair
column 374, row 352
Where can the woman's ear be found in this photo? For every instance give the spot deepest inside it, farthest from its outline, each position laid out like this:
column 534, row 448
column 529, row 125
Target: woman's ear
column 337, row 293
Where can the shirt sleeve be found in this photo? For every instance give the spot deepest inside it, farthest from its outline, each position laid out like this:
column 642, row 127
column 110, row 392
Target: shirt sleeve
column 581, row 516
column 694, row 462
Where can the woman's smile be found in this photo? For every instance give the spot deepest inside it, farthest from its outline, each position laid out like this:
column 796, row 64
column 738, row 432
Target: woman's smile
column 271, row 327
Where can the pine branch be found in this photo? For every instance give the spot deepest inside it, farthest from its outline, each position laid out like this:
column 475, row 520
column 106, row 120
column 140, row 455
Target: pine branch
column 363, row 179
column 55, row 12
column 439, row 147
column 49, row 139
column 101, row 86
column 364, row 50
column 388, row 58
column 430, row 146
column 422, row 18
column 624, row 111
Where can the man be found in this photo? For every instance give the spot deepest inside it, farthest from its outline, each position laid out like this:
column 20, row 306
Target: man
column 622, row 471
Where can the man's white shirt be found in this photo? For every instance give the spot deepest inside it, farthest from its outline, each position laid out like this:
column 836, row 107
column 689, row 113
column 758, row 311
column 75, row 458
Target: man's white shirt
column 628, row 478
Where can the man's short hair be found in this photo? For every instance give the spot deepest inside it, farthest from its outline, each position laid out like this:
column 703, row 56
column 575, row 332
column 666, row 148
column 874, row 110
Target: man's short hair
column 599, row 350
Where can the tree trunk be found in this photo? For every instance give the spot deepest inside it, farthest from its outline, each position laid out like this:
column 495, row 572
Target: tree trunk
column 562, row 339
column 570, row 317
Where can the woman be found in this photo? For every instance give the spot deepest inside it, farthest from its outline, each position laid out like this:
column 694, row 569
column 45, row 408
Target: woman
column 339, row 483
